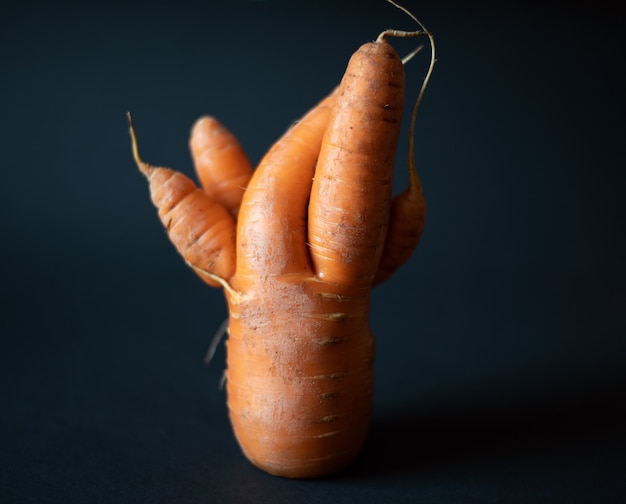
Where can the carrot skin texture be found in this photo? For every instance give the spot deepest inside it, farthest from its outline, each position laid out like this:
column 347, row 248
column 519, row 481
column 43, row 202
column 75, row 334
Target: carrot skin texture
column 351, row 193
column 271, row 228
column 202, row 230
column 299, row 375
column 221, row 164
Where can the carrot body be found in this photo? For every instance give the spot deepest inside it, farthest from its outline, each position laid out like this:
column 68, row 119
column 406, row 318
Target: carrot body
column 406, row 224
column 271, row 229
column 313, row 235
column 222, row 165
column 299, row 374
column 202, row 230
column 350, row 198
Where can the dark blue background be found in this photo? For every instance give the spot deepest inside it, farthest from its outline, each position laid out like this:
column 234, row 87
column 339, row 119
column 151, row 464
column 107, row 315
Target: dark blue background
column 501, row 346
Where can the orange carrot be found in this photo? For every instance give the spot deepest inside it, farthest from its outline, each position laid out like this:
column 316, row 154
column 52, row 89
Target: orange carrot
column 202, row 230
column 316, row 228
column 351, row 193
column 271, row 233
column 222, row 166
column 406, row 223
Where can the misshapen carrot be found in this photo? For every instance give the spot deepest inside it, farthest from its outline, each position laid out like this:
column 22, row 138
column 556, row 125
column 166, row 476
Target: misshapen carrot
column 316, row 228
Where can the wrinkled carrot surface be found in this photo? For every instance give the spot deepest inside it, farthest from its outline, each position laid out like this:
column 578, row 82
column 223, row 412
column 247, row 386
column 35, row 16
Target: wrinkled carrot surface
column 297, row 246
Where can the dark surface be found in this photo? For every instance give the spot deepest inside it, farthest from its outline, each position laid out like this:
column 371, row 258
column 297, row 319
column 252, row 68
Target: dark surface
column 501, row 346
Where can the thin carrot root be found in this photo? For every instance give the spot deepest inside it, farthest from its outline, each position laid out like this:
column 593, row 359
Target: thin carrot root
column 215, row 341
column 144, row 168
column 410, row 56
column 297, row 246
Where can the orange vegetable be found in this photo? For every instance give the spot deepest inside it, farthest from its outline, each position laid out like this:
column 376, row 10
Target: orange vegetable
column 222, row 166
column 297, row 253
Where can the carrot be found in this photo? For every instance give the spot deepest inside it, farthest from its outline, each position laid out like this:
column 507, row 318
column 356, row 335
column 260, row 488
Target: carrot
column 316, row 228
column 271, row 233
column 222, row 166
column 202, row 230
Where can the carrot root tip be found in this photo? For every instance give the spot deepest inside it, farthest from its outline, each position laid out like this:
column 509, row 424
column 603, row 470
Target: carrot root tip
column 144, row 168
column 232, row 292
